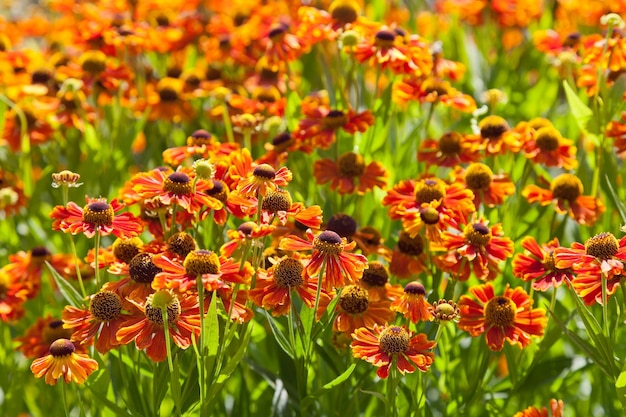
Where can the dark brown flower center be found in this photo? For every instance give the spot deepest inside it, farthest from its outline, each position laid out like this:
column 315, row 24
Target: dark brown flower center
column 492, row 127
column 450, row 143
column 142, row 269
column 335, row 119
column 55, row 330
column 433, row 85
column 567, row 187
column 429, row 215
column 61, row 347
column 351, row 165
column 344, row 11
column 219, row 191
column 547, row 138
column 477, row 234
column 384, row 39
column 376, row 275
column 201, row 262
column 126, row 249
column 328, row 242
column 408, row 245
column 415, row 288
column 98, row 213
column 602, row 246
column 178, row 183
column 277, row 200
column 199, row 137
column 288, row 273
column 478, row 176
column 500, row 312
column 342, row 224
column 155, row 315
column 181, row 244
column 354, row 299
column 394, row 340
column 264, row 171
column 105, row 306
column 429, row 190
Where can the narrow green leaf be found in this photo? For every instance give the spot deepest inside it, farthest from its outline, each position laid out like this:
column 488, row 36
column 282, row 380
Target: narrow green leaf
column 621, row 208
column 91, row 137
column 119, row 411
column 620, row 386
column 66, row 289
column 341, row 378
column 236, row 358
column 581, row 112
column 282, row 340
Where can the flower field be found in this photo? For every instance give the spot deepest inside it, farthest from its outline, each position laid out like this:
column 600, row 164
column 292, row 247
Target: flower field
column 312, row 208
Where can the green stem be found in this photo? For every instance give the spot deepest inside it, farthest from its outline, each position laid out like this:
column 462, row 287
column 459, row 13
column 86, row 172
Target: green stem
column 97, row 265
column 392, row 388
column 170, row 363
column 64, row 399
column 77, row 266
column 605, row 314
column 202, row 339
column 227, row 124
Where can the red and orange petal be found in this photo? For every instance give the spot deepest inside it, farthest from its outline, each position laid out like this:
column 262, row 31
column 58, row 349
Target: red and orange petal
column 556, row 408
column 253, row 185
column 617, row 130
column 72, row 367
column 377, row 313
column 431, row 152
column 430, row 219
column 517, row 328
column 13, row 295
column 405, row 266
column 374, row 175
column 588, row 286
column 584, row 209
column 37, row 339
column 414, row 307
column 70, row 219
column 537, row 264
column 85, row 327
column 366, row 345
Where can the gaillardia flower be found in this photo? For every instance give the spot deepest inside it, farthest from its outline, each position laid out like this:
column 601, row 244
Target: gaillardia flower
column 537, row 264
column 507, row 317
column 63, row 362
column 381, row 345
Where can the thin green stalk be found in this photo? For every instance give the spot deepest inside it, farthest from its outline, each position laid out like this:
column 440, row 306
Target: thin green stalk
column 170, row 364
column 392, row 389
column 64, row 398
column 227, row 124
column 97, row 265
column 77, row 266
column 605, row 313
column 202, row 338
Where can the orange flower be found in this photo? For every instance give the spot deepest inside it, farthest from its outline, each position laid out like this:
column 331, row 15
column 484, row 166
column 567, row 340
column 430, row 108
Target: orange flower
column 273, row 290
column 245, row 234
column 431, row 90
column 601, row 254
column 537, row 264
column 375, row 280
column 498, row 137
column 617, row 130
column 408, row 257
column 319, row 128
column 179, row 187
column 263, row 179
column 556, row 408
column 330, row 249
column 489, row 189
column 97, row 215
column 384, row 345
column 430, row 219
column 183, row 320
column 103, row 318
column 350, row 174
column 386, row 50
column 283, row 46
column 477, row 247
column 566, row 192
column 199, row 144
column 13, row 295
column 509, row 316
column 450, row 150
column 36, row 341
column 63, row 362
column 546, row 146
column 355, row 310
column 413, row 303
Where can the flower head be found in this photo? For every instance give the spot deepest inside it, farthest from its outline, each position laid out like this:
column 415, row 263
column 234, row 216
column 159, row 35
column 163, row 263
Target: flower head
column 63, row 362
column 507, row 317
column 350, row 174
column 413, row 304
column 382, row 344
column 537, row 264
column 355, row 310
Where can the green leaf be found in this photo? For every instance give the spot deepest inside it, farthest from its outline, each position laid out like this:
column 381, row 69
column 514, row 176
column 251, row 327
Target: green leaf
column 91, row 137
column 616, row 200
column 620, row 386
column 341, row 378
column 66, row 289
column 282, row 340
column 119, row 411
column 581, row 112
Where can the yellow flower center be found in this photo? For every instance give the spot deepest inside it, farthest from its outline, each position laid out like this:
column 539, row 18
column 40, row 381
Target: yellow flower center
column 492, row 127
column 165, row 299
column 334, row 119
column 54, row 331
column 478, row 176
column 126, row 249
column 351, row 165
column 354, row 299
column 328, row 243
column 566, row 187
column 602, row 246
column 548, row 262
column 547, row 138
column 288, row 273
column 539, row 122
column 98, row 213
column 394, row 340
column 201, row 262
column 408, row 245
column 141, row 268
column 277, row 200
column 450, row 143
column 282, row 141
column 266, row 94
column 344, row 11
column 371, row 235
column 376, row 275
column 429, row 189
column 93, row 62
column 62, row 347
column 500, row 312
column 105, row 306
column 477, row 234
column 178, row 183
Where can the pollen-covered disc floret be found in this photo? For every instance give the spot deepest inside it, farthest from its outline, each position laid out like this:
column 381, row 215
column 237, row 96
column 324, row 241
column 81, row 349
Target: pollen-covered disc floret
column 219, row 191
column 354, row 299
column 566, row 187
column 477, row 234
column 344, row 11
column 264, row 171
column 408, row 245
column 394, row 340
column 351, row 165
column 328, row 242
column 376, row 274
column 450, row 143
column 126, row 249
column 428, row 190
column 105, row 306
column 547, row 138
column 181, row 243
column 384, row 38
column 142, row 269
column 288, row 273
column 277, row 200
column 445, row 310
column 162, row 299
column 98, row 213
column 478, row 176
column 201, row 262
column 500, row 312
column 602, row 246
column 178, row 183
column 62, row 347
column 492, row 127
